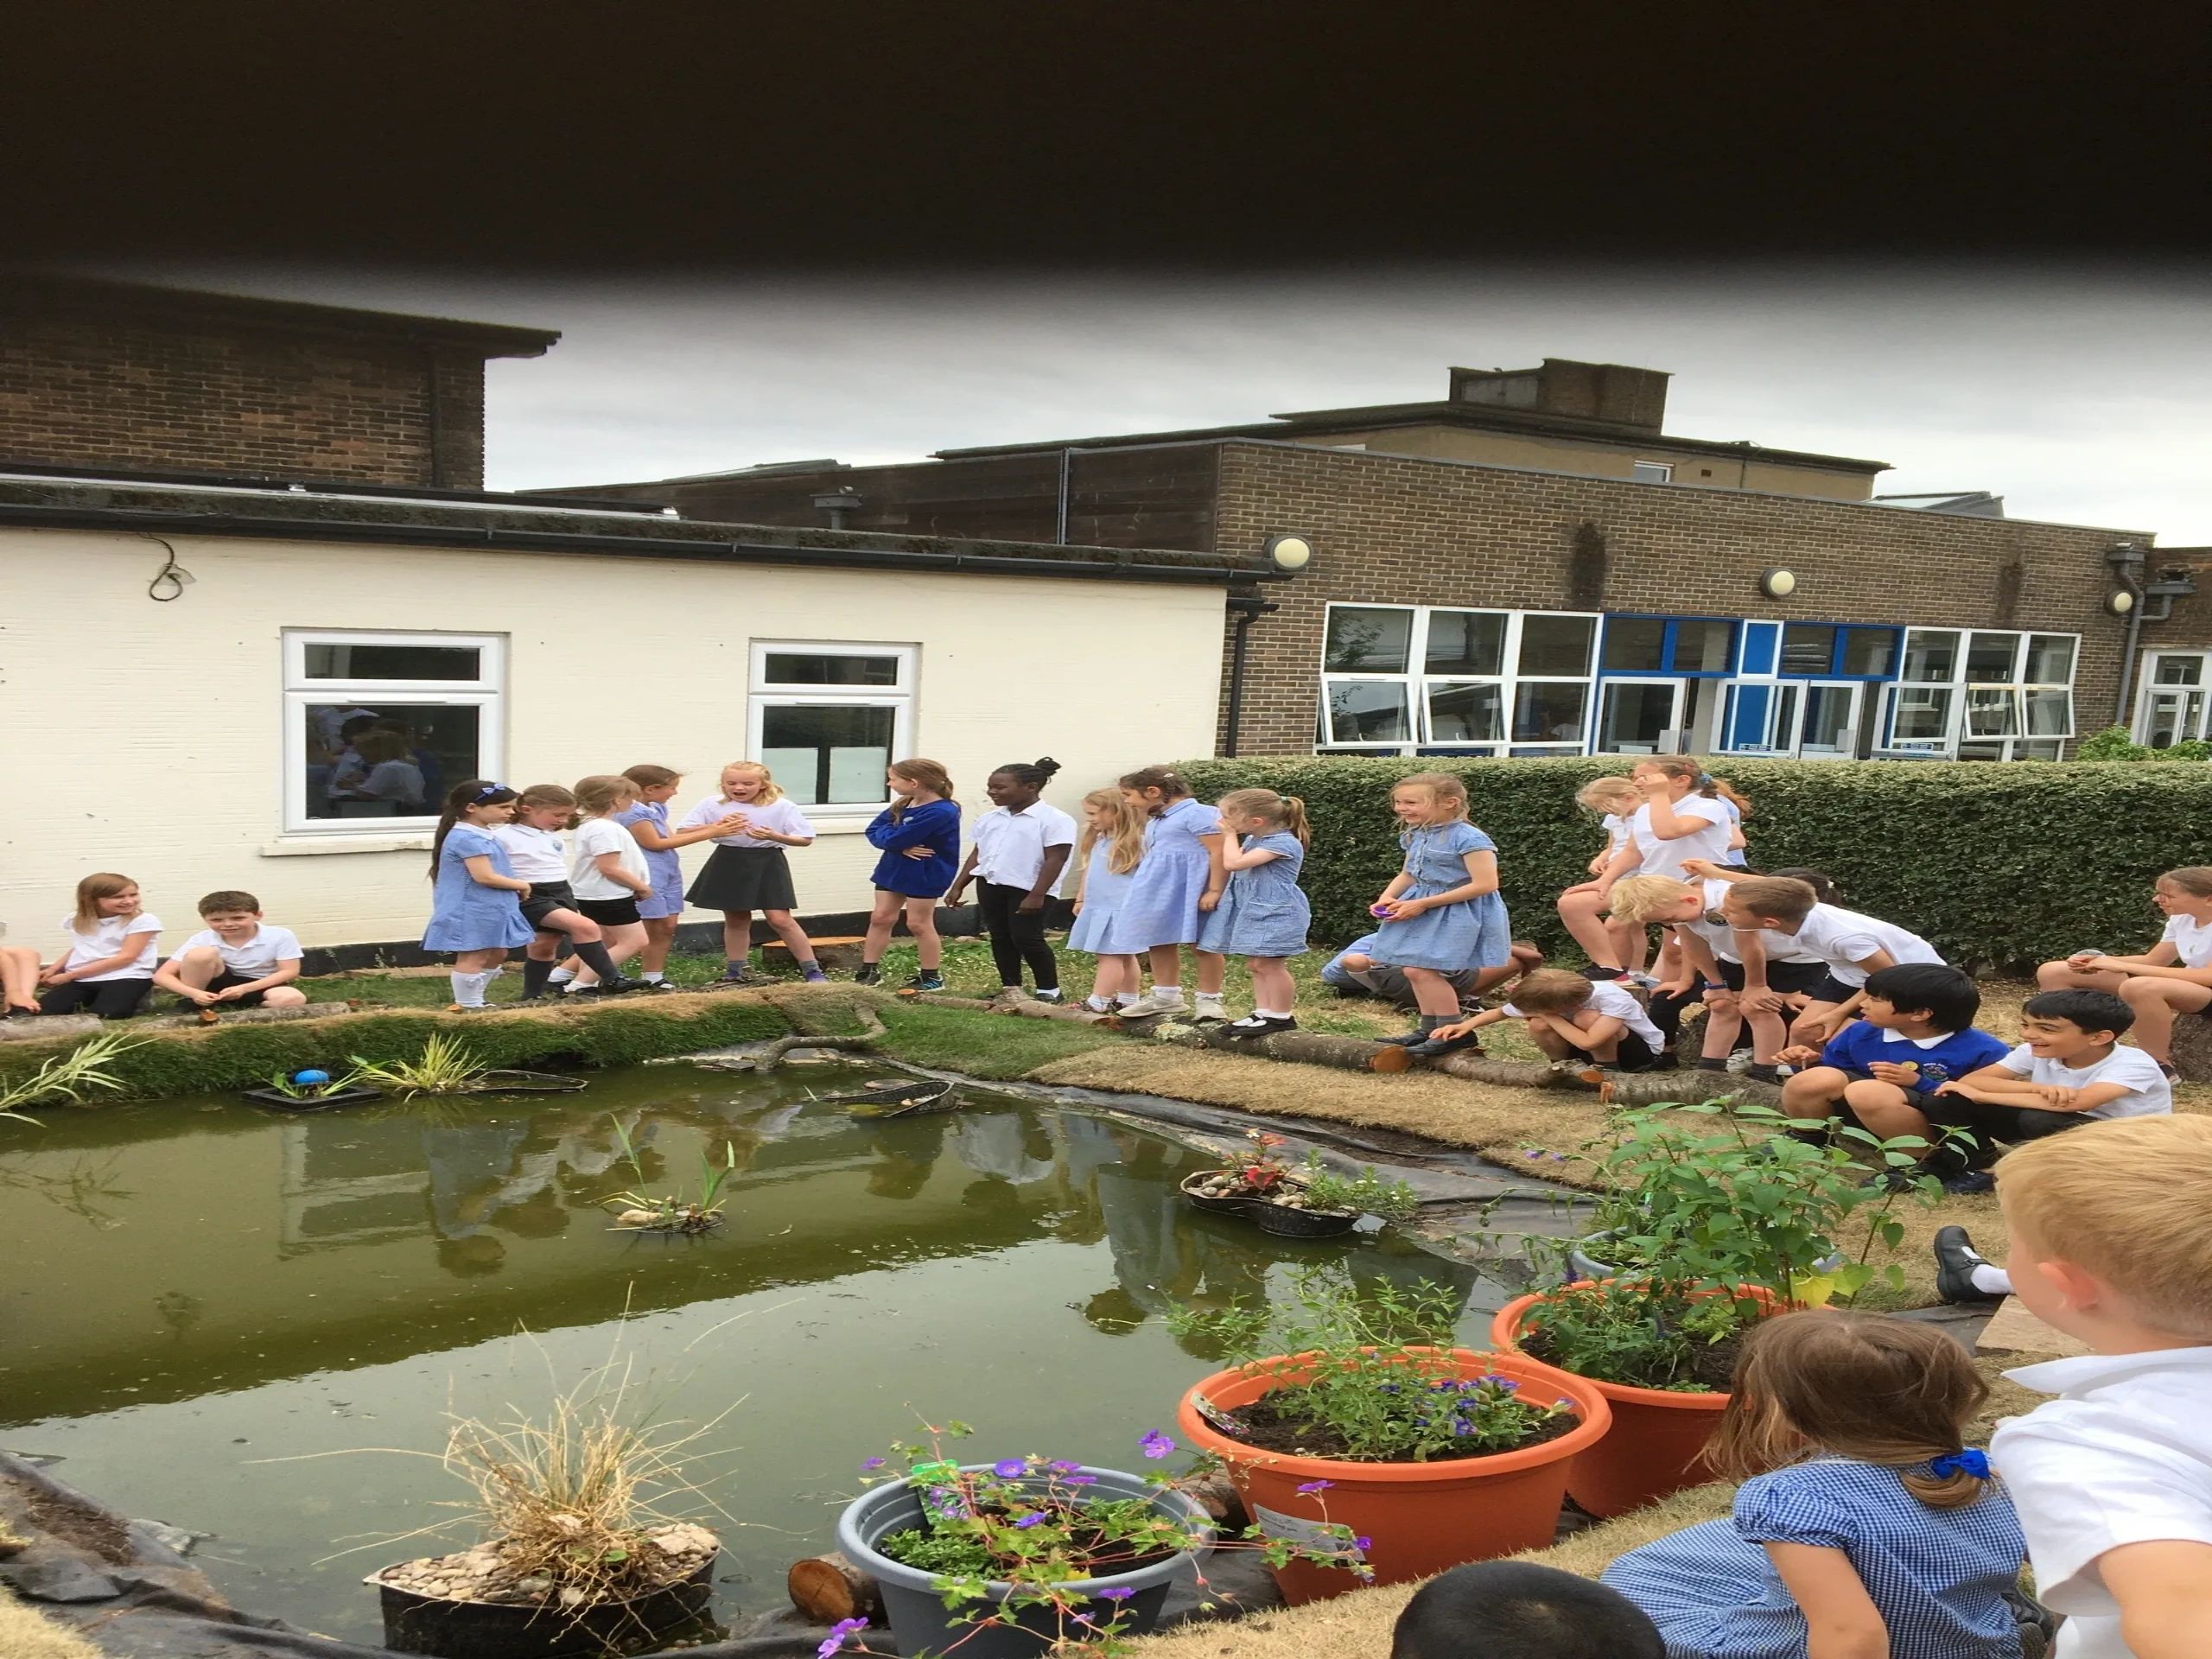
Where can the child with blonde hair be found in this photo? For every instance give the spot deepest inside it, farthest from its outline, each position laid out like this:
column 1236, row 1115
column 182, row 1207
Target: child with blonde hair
column 1442, row 913
column 1180, row 880
column 1577, row 1021
column 607, row 869
column 646, row 819
column 109, row 967
column 2173, row 977
column 532, row 838
column 1865, row 1525
column 2113, row 1477
column 1263, row 914
column 1614, row 799
column 1108, row 850
column 1681, row 817
column 919, row 834
column 748, row 870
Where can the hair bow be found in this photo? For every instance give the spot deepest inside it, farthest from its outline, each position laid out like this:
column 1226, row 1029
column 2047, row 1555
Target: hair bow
column 1969, row 1462
column 490, row 790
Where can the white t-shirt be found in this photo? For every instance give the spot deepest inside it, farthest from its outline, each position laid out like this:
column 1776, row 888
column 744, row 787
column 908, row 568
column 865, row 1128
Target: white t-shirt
column 256, row 957
column 104, row 938
column 1618, row 833
column 1721, row 939
column 2149, row 1094
column 1668, row 857
column 1608, row 998
column 2192, row 941
column 1010, row 846
column 2122, row 1456
column 539, row 856
column 783, row 816
column 593, row 837
column 1844, row 938
column 398, row 781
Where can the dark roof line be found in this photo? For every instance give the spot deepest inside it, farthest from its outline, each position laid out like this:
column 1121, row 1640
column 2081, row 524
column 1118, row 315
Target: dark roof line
column 56, row 290
column 312, row 486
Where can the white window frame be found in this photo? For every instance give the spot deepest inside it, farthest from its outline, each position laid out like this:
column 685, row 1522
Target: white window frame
column 1414, row 683
column 2150, row 692
column 487, row 693
column 900, row 698
column 1958, row 741
column 1641, row 472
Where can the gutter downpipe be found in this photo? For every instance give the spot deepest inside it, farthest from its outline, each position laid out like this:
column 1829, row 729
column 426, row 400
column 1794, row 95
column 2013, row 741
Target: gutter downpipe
column 1249, row 610
column 2127, row 563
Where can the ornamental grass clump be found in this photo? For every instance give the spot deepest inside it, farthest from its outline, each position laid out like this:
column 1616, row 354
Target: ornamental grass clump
column 1366, row 1377
column 68, row 1077
column 669, row 1212
column 446, row 1067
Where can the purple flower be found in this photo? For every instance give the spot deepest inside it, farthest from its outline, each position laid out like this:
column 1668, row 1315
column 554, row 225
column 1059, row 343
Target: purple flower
column 1560, row 1157
column 1008, row 1468
column 1362, row 1543
column 1534, row 1152
column 871, row 1463
column 1082, row 1480
column 1029, row 1521
column 1155, row 1444
column 1065, row 1468
column 1119, row 1592
column 835, row 1641
column 1312, row 1487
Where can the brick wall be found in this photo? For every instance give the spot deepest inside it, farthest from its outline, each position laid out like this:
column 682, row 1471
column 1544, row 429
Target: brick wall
column 111, row 390
column 1392, row 531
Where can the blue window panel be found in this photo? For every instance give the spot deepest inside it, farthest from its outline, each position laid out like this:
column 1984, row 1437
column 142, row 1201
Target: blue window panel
column 1747, row 723
column 1762, row 644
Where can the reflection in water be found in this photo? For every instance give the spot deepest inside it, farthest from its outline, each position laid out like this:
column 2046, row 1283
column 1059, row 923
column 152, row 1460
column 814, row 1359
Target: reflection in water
column 267, row 1287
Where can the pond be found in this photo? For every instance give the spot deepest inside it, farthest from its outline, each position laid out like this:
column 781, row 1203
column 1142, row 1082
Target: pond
column 201, row 1296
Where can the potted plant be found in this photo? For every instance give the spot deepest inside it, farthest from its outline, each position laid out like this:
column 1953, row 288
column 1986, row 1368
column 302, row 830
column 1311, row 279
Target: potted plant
column 1717, row 1220
column 1013, row 1558
column 1433, row 1455
column 1307, row 1201
column 577, row 1557
column 1251, row 1176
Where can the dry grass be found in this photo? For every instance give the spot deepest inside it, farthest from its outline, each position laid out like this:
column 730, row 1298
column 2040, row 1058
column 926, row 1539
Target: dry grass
column 28, row 1635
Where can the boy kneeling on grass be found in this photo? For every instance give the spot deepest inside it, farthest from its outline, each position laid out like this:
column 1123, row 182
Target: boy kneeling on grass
column 237, row 959
column 1881, row 1072
column 1577, row 1021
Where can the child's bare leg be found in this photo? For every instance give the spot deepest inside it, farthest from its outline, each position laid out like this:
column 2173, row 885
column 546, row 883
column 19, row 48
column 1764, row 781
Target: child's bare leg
column 921, row 922
column 2155, row 1002
column 787, row 929
column 624, row 940
column 1814, row 1093
column 1213, row 968
column 1767, row 1034
column 737, row 935
column 19, row 976
column 1722, row 1027
column 1433, row 993
column 1576, row 1037
column 1554, row 1046
column 883, row 917
column 1800, row 1028
column 198, row 967
column 660, row 938
column 1271, row 984
column 1167, row 968
column 1584, row 914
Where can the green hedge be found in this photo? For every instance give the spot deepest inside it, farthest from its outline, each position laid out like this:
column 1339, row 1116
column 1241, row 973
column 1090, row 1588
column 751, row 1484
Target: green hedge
column 244, row 1057
column 2001, row 866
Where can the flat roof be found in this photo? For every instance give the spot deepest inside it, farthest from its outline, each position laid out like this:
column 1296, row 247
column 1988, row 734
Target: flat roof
column 57, row 290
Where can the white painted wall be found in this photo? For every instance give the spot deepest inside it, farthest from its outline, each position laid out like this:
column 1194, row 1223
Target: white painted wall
column 145, row 738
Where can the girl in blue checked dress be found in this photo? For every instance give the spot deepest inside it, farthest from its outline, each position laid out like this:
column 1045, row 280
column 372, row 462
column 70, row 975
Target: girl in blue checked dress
column 1179, row 882
column 1441, row 915
column 1877, row 1530
column 1106, row 853
column 1263, row 914
column 476, row 907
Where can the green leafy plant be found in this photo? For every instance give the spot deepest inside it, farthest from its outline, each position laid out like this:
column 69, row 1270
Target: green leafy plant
column 279, row 1082
column 670, row 1213
column 1636, row 1332
column 1363, row 1194
column 68, row 1077
column 2114, row 744
column 447, row 1066
column 1373, row 1368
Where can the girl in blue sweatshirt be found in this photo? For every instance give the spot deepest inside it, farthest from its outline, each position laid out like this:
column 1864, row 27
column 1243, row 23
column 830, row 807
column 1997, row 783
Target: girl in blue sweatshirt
column 919, row 835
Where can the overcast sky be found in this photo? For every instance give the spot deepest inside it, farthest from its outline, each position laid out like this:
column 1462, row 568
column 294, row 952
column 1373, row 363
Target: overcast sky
column 2079, row 396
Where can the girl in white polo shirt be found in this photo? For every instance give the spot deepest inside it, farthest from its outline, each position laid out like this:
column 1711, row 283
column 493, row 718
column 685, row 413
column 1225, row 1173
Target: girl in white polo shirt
column 607, row 869
column 109, row 966
column 748, row 870
column 1020, row 860
column 1682, row 817
column 2174, row 976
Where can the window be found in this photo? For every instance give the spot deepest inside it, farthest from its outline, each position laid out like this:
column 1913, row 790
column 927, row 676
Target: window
column 1652, row 472
column 1402, row 679
column 1670, row 645
column 380, row 725
column 2172, row 706
column 1988, row 695
column 1808, row 648
column 828, row 718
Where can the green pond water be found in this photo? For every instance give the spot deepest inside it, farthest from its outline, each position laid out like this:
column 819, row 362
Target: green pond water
column 202, row 1295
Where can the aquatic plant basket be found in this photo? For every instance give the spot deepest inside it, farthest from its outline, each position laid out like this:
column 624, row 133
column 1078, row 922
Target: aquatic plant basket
column 498, row 1630
column 897, row 1097
column 1217, row 1203
column 1286, row 1222
column 327, row 1100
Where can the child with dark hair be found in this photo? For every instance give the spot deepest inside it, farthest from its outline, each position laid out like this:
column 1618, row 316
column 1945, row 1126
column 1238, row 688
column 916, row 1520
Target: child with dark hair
column 1864, row 1525
column 1880, row 1072
column 1020, row 864
column 1518, row 1609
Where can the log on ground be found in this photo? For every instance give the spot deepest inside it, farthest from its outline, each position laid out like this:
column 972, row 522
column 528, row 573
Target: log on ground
column 828, row 1588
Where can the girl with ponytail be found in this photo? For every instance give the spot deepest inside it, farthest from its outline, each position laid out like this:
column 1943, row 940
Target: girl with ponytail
column 1863, row 1517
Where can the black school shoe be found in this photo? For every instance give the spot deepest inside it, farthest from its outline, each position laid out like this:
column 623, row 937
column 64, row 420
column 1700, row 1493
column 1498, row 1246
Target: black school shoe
column 1955, row 1261
column 1433, row 1047
column 1253, row 1025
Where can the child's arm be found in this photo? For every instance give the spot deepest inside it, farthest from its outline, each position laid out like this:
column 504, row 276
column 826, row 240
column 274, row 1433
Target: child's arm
column 135, row 946
column 1705, row 870
column 1998, row 1086
column 1055, row 859
column 1589, row 1028
column 1482, row 878
column 1472, row 1023
column 2143, row 968
column 610, row 866
column 480, row 872
column 918, row 829
column 1841, row 1621
column 1624, row 862
column 1698, row 956
column 1216, row 868
column 1244, row 855
column 2164, row 1591
column 954, row 893
column 1668, row 824
column 288, row 969
column 648, row 835
column 1399, row 883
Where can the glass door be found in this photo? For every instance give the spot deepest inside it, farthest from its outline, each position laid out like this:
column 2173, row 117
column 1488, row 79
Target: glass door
column 1829, row 728
column 1760, row 717
column 1639, row 717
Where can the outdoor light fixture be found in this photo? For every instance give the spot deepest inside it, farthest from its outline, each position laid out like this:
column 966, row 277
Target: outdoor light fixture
column 1289, row 552
column 1778, row 583
column 2121, row 603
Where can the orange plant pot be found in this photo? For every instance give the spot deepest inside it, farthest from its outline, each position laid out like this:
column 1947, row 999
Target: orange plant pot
column 1420, row 1518
column 1656, row 1443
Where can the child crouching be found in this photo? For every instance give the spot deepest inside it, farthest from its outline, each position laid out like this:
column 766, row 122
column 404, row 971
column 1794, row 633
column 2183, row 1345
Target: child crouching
column 1576, row 1022
column 237, row 959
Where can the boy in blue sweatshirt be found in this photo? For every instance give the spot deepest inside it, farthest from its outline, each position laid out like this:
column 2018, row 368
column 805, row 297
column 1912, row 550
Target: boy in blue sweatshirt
column 1878, row 1072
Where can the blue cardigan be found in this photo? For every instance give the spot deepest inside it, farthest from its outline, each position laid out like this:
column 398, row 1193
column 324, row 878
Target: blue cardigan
column 935, row 826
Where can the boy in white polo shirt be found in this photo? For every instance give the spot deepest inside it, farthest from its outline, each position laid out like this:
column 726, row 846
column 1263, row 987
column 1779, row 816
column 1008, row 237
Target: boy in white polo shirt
column 1020, row 858
column 2113, row 1479
column 1853, row 945
column 237, row 959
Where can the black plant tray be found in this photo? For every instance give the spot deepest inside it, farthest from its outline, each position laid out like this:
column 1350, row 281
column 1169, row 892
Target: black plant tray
column 1286, row 1222
column 897, row 1097
column 327, row 1100
column 1232, row 1204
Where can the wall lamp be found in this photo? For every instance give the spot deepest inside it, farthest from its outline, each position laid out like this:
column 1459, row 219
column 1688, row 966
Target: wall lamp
column 1289, row 552
column 1777, row 583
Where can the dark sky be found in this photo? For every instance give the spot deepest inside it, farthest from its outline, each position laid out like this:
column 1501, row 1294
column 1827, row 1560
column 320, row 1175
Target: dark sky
column 2077, row 394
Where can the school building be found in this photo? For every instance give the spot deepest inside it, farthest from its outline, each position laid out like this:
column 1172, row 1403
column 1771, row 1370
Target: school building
column 1532, row 565
column 191, row 620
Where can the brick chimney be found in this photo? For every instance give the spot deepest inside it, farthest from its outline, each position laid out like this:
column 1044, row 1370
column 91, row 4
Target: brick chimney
column 1608, row 392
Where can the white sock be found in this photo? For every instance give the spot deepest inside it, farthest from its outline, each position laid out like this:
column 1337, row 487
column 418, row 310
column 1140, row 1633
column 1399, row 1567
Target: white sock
column 652, row 978
column 1270, row 1013
column 1212, row 997
column 561, row 976
column 468, row 988
column 1124, row 999
column 1991, row 1281
column 1098, row 1004
column 1168, row 992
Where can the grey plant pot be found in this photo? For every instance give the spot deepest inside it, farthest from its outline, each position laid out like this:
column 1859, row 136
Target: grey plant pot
column 922, row 1624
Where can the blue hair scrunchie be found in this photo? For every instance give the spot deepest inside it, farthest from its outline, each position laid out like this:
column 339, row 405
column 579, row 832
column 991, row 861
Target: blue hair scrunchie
column 1968, row 1462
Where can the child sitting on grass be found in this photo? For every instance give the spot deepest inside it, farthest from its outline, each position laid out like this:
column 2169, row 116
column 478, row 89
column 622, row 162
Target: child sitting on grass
column 1864, row 1529
column 1576, row 1022
column 1518, row 1609
column 2113, row 1478
column 237, row 959
column 1880, row 1072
